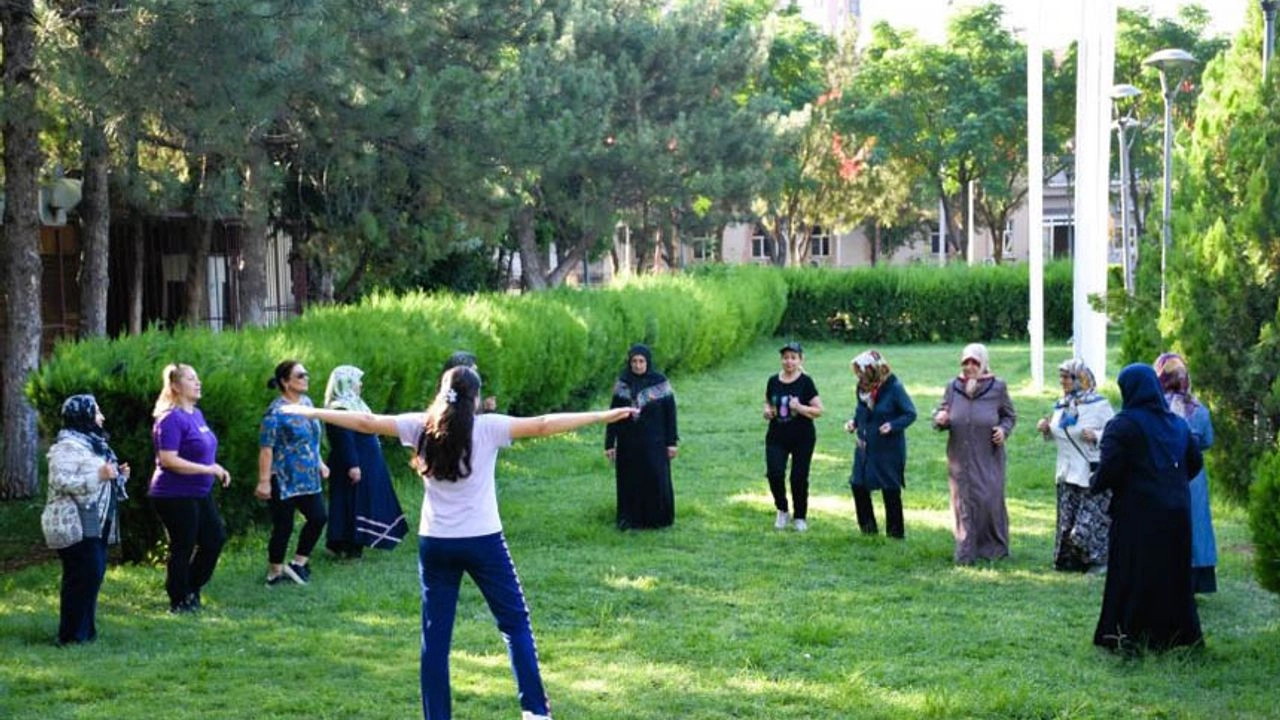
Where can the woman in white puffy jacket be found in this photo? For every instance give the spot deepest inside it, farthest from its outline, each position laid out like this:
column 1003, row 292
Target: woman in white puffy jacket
column 1080, row 543
column 86, row 485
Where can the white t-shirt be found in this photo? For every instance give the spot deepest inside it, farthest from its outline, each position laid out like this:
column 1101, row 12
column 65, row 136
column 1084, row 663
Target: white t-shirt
column 468, row 507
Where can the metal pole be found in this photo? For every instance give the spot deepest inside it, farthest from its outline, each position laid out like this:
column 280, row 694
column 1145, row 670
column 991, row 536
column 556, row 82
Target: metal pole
column 1166, row 233
column 1124, row 207
column 1268, row 35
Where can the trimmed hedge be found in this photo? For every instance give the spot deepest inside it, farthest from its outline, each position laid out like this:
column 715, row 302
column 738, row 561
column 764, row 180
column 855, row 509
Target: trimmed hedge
column 537, row 353
column 922, row 304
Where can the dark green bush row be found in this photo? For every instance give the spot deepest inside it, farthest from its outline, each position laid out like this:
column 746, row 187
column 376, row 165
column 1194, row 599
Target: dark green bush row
column 919, row 303
column 537, row 353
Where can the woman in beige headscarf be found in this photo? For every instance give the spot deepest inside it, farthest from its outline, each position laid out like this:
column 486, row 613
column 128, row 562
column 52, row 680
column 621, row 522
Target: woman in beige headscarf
column 978, row 414
column 363, row 508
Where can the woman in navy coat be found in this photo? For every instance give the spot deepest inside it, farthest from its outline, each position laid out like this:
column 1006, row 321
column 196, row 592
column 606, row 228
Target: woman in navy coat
column 884, row 411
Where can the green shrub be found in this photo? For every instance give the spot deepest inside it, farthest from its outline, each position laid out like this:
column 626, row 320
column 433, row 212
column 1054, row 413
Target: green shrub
column 1264, row 521
column 537, row 353
column 920, row 303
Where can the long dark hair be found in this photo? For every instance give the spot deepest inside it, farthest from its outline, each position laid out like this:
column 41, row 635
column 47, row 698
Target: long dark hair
column 282, row 373
column 444, row 447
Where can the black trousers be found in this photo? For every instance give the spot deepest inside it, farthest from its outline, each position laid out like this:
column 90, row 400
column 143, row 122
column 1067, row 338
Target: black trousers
column 894, row 526
column 83, row 567
column 196, row 537
column 775, row 458
column 314, row 516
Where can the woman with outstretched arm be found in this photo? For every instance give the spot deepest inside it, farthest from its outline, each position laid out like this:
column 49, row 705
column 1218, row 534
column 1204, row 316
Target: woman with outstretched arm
column 456, row 449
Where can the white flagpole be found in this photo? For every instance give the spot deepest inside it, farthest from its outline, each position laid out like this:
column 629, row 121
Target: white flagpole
column 1035, row 193
column 1094, row 80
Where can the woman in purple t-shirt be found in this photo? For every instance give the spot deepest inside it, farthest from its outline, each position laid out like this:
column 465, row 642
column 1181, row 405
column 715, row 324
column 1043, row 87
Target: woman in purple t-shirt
column 461, row 531
column 182, row 487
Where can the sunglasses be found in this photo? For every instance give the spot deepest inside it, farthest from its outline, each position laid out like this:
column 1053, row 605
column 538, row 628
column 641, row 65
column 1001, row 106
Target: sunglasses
column 301, row 376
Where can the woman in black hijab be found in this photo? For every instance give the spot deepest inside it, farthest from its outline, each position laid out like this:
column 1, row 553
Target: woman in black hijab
column 1148, row 459
column 642, row 448
column 86, row 486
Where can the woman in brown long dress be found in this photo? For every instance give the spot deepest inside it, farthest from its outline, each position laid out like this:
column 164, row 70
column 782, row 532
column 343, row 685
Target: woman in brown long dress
column 978, row 414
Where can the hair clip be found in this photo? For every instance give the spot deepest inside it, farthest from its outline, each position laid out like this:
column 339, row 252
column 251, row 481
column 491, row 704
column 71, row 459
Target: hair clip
column 451, row 396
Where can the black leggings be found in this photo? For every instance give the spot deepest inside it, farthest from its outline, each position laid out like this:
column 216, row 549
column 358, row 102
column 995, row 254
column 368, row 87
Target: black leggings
column 196, row 537
column 312, row 509
column 775, row 458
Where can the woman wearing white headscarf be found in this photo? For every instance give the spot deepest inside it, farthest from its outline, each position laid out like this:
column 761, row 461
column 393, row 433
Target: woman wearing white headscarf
column 1080, row 543
column 363, row 508
column 978, row 414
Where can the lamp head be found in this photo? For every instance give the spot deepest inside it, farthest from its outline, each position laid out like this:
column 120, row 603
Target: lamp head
column 1170, row 59
column 1124, row 91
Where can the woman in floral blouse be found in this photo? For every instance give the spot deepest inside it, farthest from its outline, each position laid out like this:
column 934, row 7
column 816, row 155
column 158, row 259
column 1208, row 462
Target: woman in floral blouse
column 289, row 474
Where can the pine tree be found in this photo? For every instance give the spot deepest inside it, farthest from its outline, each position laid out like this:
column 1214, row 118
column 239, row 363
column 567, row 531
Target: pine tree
column 1224, row 283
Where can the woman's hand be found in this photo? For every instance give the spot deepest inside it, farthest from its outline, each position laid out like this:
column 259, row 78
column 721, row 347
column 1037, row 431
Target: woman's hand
column 324, row 471
column 1042, row 427
column 263, row 490
column 671, row 452
column 220, row 474
column 108, row 471
column 611, row 454
column 769, row 411
column 997, row 436
column 353, row 474
column 942, row 418
column 850, row 426
column 886, row 428
column 1090, row 435
column 613, row 415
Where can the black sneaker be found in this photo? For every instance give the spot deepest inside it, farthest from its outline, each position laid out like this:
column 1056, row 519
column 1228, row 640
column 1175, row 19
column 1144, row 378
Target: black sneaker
column 280, row 579
column 300, row 574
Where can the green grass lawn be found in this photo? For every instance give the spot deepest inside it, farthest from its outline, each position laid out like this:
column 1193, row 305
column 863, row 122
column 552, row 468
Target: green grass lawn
column 718, row 617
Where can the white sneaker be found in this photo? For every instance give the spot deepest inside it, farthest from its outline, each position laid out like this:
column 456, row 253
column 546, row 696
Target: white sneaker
column 801, row 525
column 781, row 522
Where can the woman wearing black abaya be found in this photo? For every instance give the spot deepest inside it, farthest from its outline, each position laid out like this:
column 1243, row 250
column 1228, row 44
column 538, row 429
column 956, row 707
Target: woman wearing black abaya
column 1148, row 459
column 642, row 448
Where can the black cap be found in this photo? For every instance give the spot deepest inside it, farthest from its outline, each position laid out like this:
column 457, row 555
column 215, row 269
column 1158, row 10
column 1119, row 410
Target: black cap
column 793, row 346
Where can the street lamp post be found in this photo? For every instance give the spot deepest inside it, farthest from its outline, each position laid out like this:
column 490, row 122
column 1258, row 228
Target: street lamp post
column 1268, row 34
column 1172, row 65
column 1119, row 94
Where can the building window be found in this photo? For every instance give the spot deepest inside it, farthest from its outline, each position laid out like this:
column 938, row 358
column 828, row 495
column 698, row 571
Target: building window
column 703, row 249
column 820, row 243
column 1059, row 237
column 761, row 245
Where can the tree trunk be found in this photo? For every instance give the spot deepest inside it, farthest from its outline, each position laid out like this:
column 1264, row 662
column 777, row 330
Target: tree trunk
column 95, row 239
column 95, row 199
column 137, row 240
column 875, row 243
column 533, row 272
column 21, row 252
column 197, row 280
column 569, row 261
column 953, row 236
column 253, row 246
